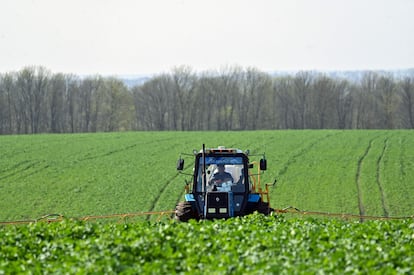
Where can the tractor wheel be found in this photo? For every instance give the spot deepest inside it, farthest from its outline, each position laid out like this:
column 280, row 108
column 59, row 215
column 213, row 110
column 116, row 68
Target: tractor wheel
column 184, row 212
column 263, row 208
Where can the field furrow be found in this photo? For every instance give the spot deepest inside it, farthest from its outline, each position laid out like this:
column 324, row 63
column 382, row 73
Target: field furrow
column 379, row 179
column 358, row 179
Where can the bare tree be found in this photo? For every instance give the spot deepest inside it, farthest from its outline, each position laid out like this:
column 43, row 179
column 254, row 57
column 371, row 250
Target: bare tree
column 58, row 98
column 387, row 98
column 117, row 107
column 25, row 104
column 183, row 91
column 4, row 112
column 206, row 101
column 366, row 109
column 7, row 101
column 282, row 102
column 40, row 119
column 254, row 87
column 323, row 102
column 143, row 120
column 407, row 100
column 72, row 86
column 301, row 89
column 151, row 103
column 344, row 105
column 88, row 104
column 226, row 90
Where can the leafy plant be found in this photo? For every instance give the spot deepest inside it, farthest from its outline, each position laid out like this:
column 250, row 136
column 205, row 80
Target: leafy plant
column 252, row 244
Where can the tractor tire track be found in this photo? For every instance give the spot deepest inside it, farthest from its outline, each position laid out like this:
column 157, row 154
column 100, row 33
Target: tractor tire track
column 25, row 169
column 161, row 194
column 402, row 156
column 358, row 180
column 16, row 169
column 378, row 179
column 301, row 152
column 111, row 152
column 358, row 183
column 90, row 156
column 169, row 181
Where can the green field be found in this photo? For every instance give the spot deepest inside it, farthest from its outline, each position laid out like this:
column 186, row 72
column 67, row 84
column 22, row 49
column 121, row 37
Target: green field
column 354, row 172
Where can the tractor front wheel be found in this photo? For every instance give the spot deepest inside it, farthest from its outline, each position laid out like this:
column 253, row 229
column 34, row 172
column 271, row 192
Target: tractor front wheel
column 184, row 212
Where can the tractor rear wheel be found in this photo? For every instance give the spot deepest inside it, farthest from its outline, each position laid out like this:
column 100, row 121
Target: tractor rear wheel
column 263, row 208
column 184, row 212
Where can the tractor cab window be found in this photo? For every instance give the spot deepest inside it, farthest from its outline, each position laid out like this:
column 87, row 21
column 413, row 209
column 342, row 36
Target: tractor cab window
column 223, row 174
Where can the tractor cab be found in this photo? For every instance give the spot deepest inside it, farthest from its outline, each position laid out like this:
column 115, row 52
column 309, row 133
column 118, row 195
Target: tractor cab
column 222, row 186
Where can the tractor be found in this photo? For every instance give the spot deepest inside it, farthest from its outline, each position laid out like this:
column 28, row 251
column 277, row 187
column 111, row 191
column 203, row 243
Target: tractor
column 224, row 184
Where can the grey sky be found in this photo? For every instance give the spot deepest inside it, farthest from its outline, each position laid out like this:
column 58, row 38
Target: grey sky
column 153, row 36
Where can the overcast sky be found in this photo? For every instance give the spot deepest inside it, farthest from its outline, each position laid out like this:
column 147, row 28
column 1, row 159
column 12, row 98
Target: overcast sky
column 144, row 37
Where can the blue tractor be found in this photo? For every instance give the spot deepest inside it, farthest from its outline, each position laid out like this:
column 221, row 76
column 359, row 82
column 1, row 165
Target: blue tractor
column 224, row 184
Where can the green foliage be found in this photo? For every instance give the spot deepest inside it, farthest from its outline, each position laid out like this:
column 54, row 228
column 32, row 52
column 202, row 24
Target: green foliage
column 254, row 244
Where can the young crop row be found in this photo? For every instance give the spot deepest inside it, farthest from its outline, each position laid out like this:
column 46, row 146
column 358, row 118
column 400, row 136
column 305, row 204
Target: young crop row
column 254, row 244
column 358, row 172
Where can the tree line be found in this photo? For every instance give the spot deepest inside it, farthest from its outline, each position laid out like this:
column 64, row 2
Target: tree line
column 34, row 100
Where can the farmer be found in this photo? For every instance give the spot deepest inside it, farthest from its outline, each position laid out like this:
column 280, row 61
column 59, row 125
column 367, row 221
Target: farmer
column 221, row 176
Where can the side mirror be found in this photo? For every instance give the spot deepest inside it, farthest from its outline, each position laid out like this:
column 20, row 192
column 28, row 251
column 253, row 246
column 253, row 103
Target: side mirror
column 251, row 165
column 263, row 164
column 180, row 164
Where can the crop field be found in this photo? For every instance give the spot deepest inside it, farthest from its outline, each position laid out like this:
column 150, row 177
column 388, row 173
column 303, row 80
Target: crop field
column 353, row 172
column 358, row 172
column 255, row 244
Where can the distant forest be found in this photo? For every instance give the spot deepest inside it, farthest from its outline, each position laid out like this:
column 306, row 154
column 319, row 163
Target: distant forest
column 35, row 100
